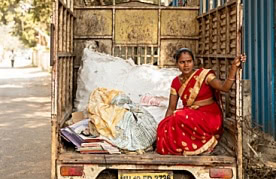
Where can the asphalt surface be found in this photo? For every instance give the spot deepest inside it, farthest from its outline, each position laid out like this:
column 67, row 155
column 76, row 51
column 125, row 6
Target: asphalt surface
column 25, row 128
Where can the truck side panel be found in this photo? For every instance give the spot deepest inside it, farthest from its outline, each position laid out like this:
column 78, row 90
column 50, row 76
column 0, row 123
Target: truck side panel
column 62, row 71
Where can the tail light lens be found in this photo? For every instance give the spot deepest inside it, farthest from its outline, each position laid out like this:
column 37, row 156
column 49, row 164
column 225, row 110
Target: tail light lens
column 220, row 173
column 71, row 170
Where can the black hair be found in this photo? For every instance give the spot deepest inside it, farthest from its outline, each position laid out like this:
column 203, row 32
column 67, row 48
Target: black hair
column 183, row 50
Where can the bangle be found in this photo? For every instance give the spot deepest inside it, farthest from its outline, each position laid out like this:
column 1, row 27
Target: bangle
column 231, row 79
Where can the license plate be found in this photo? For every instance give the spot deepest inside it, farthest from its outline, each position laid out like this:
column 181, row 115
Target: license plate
column 145, row 175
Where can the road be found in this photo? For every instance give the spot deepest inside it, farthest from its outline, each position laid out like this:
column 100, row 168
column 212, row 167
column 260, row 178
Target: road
column 25, row 140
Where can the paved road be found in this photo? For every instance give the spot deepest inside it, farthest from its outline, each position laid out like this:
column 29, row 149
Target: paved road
column 24, row 122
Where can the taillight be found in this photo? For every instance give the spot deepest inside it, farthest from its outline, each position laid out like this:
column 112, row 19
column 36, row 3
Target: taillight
column 71, row 170
column 220, row 173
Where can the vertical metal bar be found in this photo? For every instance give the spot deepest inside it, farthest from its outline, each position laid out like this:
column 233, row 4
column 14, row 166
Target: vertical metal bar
column 126, row 47
column 227, row 29
column 65, row 88
column 145, row 53
column 52, row 44
column 152, row 54
column 159, row 60
column 71, row 80
column 68, row 32
column 113, row 26
column 210, row 33
column 257, row 36
column 203, row 22
column 204, row 6
column 138, row 54
column 239, row 91
column 60, row 24
column 132, row 54
column 264, row 71
column 245, row 38
column 72, row 34
column 270, row 81
column 120, row 51
column 218, row 32
column 64, row 30
column 201, row 7
column 54, row 144
column 251, row 55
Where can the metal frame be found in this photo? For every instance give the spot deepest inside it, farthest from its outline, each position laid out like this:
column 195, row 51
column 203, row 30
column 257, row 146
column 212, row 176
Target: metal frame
column 213, row 52
column 160, row 37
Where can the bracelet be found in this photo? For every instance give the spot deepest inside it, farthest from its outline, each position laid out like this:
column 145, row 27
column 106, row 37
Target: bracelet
column 231, row 79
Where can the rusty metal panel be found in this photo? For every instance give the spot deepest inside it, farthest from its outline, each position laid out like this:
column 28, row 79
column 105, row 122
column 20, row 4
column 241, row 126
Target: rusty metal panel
column 169, row 47
column 136, row 27
column 179, row 23
column 93, row 23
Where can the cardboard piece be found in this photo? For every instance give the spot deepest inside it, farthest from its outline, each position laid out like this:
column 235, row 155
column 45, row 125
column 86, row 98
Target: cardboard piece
column 77, row 116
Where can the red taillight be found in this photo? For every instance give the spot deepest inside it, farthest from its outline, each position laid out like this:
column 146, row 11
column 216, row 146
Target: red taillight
column 221, row 173
column 71, row 170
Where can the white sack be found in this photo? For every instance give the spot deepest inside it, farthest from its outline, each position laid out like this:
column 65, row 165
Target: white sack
column 103, row 70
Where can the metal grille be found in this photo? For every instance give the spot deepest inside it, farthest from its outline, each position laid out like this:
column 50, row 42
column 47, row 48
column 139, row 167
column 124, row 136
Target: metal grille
column 217, row 47
column 139, row 54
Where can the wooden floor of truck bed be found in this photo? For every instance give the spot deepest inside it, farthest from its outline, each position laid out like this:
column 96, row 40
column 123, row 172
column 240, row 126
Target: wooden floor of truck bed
column 147, row 158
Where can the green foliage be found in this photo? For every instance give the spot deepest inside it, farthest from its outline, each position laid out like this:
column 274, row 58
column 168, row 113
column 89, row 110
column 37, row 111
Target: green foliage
column 26, row 16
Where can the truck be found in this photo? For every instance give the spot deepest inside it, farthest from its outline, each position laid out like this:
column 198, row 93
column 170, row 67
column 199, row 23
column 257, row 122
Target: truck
column 148, row 32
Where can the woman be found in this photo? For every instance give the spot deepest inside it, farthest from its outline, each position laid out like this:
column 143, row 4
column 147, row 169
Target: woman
column 196, row 128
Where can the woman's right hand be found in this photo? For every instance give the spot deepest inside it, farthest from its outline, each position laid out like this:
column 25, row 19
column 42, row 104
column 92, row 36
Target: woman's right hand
column 238, row 60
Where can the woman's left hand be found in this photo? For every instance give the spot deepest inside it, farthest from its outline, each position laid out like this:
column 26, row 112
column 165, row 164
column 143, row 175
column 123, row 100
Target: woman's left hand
column 238, row 60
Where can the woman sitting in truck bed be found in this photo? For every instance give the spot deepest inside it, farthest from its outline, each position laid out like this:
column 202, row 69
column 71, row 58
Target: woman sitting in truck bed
column 196, row 128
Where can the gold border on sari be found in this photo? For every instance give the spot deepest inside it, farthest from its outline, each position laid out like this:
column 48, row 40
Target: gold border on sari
column 211, row 143
column 197, row 86
column 209, row 78
column 173, row 91
column 183, row 86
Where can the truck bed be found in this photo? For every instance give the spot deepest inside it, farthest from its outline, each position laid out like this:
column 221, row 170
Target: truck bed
column 144, row 159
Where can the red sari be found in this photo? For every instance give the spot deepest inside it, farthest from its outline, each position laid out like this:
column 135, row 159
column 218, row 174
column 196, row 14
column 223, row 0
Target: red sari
column 191, row 130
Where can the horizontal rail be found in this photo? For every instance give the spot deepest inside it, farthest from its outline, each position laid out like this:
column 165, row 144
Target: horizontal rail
column 65, row 54
column 122, row 7
column 215, row 56
column 179, row 37
column 92, row 37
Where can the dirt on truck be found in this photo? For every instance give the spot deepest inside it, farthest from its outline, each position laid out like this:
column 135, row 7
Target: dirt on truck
column 148, row 32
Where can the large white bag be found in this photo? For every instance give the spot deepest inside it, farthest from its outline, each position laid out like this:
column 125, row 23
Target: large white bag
column 136, row 81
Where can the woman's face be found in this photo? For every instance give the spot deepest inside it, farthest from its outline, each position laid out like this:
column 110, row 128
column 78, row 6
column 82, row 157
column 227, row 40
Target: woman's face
column 185, row 63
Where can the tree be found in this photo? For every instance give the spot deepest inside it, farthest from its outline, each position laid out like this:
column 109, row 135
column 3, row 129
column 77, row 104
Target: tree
column 26, row 16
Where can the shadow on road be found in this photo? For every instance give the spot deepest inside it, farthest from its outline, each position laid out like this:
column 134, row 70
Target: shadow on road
column 25, row 127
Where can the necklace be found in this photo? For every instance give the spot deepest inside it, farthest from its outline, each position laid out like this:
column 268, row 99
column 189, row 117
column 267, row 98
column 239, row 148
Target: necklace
column 183, row 79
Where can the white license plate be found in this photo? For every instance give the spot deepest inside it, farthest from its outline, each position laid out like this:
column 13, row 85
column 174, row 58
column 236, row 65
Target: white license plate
column 145, row 175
